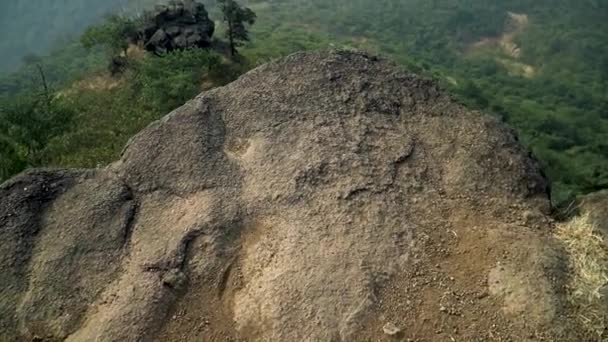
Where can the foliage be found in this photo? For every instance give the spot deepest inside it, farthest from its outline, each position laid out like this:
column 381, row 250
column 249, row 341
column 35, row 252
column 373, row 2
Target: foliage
column 235, row 17
column 106, row 119
column 169, row 80
column 27, row 124
column 11, row 162
column 114, row 33
column 61, row 67
column 91, row 117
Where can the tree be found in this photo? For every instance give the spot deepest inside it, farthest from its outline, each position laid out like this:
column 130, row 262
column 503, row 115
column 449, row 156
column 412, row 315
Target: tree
column 27, row 124
column 235, row 18
column 115, row 34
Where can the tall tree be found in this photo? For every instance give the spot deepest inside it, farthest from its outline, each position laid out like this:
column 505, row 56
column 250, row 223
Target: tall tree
column 235, row 18
column 29, row 121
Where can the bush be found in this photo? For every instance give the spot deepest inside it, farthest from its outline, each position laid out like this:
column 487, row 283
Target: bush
column 169, row 80
column 27, row 124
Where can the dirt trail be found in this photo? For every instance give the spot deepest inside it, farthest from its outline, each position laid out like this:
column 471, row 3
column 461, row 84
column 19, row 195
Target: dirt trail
column 515, row 26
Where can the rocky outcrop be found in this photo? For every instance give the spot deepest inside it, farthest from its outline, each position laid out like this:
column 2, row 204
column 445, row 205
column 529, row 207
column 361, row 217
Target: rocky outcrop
column 179, row 26
column 328, row 196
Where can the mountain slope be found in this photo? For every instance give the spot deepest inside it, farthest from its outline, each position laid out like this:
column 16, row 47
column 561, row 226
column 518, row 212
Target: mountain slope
column 326, row 196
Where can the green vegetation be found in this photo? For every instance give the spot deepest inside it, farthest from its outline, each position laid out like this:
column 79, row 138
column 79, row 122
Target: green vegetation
column 169, row 80
column 235, row 17
column 544, row 72
column 35, row 27
column 114, row 34
column 68, row 111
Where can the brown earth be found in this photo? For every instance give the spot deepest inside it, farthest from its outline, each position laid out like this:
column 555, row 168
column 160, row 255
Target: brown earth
column 515, row 26
column 328, row 196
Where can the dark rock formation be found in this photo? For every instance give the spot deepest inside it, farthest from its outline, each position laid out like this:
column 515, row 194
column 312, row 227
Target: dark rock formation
column 182, row 25
column 320, row 198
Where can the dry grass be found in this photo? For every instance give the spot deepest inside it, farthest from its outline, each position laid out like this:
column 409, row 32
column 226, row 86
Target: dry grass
column 588, row 254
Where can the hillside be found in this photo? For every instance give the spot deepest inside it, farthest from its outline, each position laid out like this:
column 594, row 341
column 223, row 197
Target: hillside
column 560, row 112
column 336, row 170
column 328, row 196
column 37, row 27
column 546, row 78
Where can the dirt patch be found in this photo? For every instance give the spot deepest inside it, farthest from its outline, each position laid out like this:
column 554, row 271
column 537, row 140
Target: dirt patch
column 516, row 68
column 454, row 288
column 514, row 26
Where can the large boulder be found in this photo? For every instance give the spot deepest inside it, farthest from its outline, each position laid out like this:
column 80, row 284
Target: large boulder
column 178, row 26
column 328, row 196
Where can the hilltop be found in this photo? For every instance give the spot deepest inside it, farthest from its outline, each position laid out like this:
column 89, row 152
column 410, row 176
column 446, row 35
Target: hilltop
column 327, row 196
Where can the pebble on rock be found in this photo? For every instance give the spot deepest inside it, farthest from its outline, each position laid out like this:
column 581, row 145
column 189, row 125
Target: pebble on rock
column 391, row 329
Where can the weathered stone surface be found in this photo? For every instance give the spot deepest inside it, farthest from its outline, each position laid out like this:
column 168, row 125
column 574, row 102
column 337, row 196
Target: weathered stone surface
column 315, row 199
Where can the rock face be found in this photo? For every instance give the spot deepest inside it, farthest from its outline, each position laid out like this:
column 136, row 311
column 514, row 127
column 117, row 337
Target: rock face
column 319, row 198
column 179, row 26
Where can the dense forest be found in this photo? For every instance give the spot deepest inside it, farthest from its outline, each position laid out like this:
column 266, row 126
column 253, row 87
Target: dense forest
column 540, row 65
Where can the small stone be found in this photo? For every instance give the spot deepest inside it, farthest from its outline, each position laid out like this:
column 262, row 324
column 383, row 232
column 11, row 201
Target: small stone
column 482, row 295
column 173, row 279
column 391, row 329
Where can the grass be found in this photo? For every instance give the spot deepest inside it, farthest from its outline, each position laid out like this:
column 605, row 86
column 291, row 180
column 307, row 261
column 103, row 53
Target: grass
column 588, row 254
